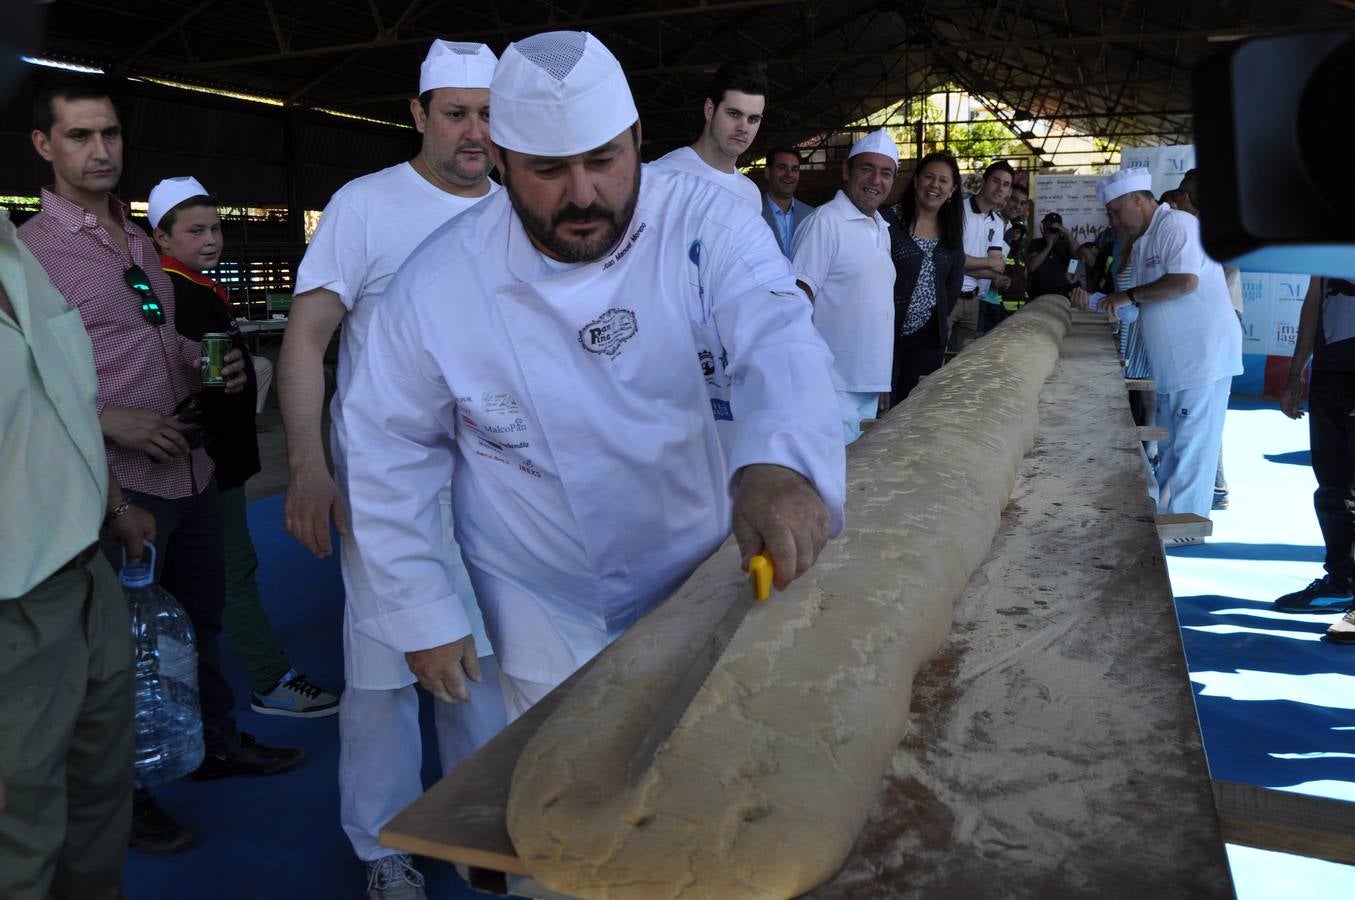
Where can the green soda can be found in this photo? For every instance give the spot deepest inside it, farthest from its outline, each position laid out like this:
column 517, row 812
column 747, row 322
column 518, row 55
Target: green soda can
column 215, row 346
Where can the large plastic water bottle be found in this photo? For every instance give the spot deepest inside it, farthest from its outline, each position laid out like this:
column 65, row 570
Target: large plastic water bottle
column 168, row 718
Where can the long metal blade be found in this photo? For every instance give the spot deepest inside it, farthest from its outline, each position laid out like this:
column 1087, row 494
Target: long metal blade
column 666, row 719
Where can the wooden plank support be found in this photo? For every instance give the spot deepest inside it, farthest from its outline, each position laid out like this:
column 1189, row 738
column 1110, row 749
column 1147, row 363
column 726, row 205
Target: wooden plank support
column 1140, row 384
column 1282, row 820
column 1179, row 525
column 1153, row 433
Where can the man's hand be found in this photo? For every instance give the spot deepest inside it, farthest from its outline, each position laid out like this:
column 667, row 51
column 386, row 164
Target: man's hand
column 1080, row 298
column 311, row 497
column 233, row 370
column 1002, row 282
column 1112, row 304
column 778, row 509
column 1291, row 399
column 443, row 670
column 133, row 529
column 158, row 436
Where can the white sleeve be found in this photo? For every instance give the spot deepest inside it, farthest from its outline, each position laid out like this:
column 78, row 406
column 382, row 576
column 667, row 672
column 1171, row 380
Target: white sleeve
column 336, row 258
column 812, row 250
column 1179, row 246
column 785, row 408
column 398, row 427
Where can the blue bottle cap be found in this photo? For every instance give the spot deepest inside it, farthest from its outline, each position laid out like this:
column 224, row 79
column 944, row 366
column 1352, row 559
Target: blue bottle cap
column 140, row 574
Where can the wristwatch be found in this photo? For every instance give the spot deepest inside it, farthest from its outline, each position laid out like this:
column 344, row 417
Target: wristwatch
column 1130, row 294
column 116, row 512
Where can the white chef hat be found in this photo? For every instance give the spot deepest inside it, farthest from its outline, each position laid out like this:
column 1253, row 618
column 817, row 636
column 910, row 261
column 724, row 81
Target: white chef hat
column 1123, row 182
column 558, row 94
column 456, row 64
column 170, row 193
column 877, row 142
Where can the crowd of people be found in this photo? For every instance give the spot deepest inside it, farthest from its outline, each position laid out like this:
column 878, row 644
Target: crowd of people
column 557, row 394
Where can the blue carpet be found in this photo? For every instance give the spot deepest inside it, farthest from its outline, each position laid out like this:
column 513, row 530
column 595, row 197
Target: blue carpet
column 278, row 837
column 1296, row 458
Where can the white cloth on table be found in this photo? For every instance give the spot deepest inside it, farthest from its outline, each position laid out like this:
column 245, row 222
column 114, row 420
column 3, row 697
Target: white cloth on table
column 574, row 409
column 844, row 257
column 685, row 159
column 368, row 229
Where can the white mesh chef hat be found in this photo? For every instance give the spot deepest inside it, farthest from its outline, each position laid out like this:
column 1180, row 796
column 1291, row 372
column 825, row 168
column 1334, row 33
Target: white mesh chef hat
column 877, row 142
column 558, row 94
column 456, row 64
column 1123, row 182
column 170, row 193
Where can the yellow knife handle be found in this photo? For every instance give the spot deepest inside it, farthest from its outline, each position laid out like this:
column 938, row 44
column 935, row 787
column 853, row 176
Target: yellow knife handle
column 761, row 571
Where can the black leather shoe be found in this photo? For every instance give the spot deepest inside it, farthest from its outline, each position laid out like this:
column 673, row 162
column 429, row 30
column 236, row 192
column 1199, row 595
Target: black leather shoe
column 155, row 831
column 250, row 758
column 1323, row 588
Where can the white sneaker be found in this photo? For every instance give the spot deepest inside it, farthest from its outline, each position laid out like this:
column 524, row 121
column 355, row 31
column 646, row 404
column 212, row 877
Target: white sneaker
column 394, row 878
column 295, row 696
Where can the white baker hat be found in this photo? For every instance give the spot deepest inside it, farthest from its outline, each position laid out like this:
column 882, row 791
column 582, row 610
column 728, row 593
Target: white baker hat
column 557, row 94
column 456, row 64
column 170, row 193
column 1123, row 182
column 877, row 142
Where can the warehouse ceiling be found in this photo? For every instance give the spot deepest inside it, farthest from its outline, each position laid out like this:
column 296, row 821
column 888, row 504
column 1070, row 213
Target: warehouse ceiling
column 1115, row 70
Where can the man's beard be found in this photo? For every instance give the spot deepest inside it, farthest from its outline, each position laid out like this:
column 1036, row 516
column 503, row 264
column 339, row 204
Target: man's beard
column 451, row 170
column 542, row 230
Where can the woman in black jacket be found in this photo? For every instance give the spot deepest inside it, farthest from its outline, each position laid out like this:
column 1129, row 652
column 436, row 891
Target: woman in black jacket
column 926, row 229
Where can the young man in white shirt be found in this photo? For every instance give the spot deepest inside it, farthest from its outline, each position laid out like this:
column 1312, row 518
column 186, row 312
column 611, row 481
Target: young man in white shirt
column 735, row 101
column 983, row 229
column 368, row 229
column 1189, row 332
column 842, row 261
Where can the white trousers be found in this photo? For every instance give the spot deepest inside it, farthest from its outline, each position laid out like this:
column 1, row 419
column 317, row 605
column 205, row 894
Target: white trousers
column 1189, row 457
column 381, row 751
column 855, row 406
column 520, row 695
column 263, row 371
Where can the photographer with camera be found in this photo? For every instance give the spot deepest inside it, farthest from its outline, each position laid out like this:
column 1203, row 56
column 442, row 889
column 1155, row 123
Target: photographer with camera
column 1048, row 257
column 107, row 268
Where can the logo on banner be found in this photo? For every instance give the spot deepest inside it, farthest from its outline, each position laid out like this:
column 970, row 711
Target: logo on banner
column 608, row 332
column 1289, row 290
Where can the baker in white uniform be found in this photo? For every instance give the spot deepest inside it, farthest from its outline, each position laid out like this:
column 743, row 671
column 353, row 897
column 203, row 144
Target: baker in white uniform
column 367, row 230
column 563, row 352
column 842, row 262
column 1188, row 329
column 735, row 101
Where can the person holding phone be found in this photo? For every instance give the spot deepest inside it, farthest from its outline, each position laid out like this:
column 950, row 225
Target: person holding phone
column 1048, row 259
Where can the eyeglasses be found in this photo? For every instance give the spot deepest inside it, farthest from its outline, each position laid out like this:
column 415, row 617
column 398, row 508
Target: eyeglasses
column 137, row 280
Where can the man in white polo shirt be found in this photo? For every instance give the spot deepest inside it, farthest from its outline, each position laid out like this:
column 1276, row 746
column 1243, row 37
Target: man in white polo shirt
column 983, row 230
column 368, row 229
column 735, row 99
column 1189, row 331
column 841, row 260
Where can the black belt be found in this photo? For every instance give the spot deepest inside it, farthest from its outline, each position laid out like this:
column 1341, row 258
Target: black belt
column 78, row 561
column 969, row 295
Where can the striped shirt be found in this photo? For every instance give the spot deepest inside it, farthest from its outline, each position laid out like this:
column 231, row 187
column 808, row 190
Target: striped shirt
column 139, row 365
column 1131, row 339
column 54, row 478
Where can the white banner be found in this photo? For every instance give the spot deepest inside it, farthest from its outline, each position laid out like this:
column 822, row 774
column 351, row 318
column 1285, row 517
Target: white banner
column 1074, row 198
column 1270, row 317
column 1165, row 164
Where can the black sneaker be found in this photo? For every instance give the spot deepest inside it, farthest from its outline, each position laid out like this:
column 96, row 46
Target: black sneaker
column 250, row 758
column 155, row 831
column 1324, row 588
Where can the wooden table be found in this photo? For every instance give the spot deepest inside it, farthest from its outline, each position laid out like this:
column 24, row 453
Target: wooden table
column 1055, row 750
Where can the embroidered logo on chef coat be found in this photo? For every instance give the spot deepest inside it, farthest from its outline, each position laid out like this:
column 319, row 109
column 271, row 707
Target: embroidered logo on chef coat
column 500, row 402
column 608, row 332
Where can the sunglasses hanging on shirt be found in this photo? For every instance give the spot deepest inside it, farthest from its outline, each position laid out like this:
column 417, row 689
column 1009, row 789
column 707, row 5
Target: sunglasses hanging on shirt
column 137, row 280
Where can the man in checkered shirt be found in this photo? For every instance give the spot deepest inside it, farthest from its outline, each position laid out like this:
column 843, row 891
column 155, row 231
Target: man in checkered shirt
column 101, row 263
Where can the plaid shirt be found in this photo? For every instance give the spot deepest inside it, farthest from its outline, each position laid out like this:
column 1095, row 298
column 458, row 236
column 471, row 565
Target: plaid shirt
column 139, row 365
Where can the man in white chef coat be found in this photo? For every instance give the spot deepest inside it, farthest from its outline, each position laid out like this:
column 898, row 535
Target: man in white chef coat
column 1189, row 331
column 842, row 262
column 563, row 352
column 368, row 229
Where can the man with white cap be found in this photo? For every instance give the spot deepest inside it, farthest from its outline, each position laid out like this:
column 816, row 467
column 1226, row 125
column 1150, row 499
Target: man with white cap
column 1188, row 330
column 367, row 230
column 187, row 229
column 735, row 100
column 564, row 352
column 841, row 259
